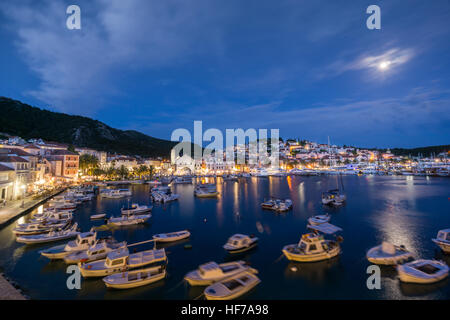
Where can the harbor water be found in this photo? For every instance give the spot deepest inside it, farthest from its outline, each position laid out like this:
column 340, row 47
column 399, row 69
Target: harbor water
column 400, row 209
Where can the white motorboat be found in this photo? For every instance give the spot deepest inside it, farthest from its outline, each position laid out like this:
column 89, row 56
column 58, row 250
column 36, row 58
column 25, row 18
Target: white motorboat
column 39, row 228
column 53, row 217
column 98, row 216
column 319, row 219
column 269, row 204
column 260, row 172
column 116, row 193
column 211, row 272
column 97, row 251
column 182, row 180
column 388, row 254
column 278, row 205
column 136, row 209
column 120, row 260
column 82, row 242
column 172, row 236
column 233, row 287
column 422, row 271
column 135, row 278
column 230, row 177
column 443, row 240
column 240, row 243
column 170, row 197
column 50, row 237
column 206, row 191
column 313, row 246
column 128, row 220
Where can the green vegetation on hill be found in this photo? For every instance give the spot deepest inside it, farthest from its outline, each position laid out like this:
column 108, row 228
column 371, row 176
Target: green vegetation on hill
column 30, row 122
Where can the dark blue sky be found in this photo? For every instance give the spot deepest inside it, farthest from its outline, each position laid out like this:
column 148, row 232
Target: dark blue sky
column 309, row 68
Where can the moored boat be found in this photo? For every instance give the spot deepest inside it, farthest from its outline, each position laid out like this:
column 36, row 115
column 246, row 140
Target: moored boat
column 82, row 242
column 443, row 240
column 240, row 243
column 98, row 216
column 422, row 271
column 206, row 191
column 313, row 246
column 233, row 287
column 128, row 220
column 388, row 254
column 211, row 272
column 136, row 209
column 135, row 278
column 172, row 236
column 120, row 260
column 39, row 228
column 319, row 219
column 50, row 237
column 97, row 251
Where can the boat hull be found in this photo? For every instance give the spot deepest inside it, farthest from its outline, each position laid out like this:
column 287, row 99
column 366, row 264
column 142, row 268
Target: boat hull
column 310, row 257
column 89, row 273
column 374, row 256
column 445, row 246
column 134, row 284
column 239, row 250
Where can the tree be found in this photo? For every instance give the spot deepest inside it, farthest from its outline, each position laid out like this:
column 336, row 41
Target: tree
column 122, row 172
column 72, row 148
column 87, row 163
column 151, row 171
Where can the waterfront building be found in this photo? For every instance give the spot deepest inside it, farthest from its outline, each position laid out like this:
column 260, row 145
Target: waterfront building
column 65, row 163
column 20, row 166
column 7, row 178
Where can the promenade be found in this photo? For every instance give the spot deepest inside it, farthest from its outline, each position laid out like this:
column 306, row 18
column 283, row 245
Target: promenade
column 8, row 292
column 16, row 208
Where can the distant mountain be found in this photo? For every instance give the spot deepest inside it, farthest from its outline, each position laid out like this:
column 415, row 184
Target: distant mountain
column 28, row 122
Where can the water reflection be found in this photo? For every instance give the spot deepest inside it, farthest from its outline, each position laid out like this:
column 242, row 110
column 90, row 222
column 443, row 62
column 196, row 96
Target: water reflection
column 420, row 290
column 403, row 211
column 314, row 272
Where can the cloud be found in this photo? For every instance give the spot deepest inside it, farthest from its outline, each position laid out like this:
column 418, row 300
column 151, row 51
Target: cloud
column 393, row 57
column 361, row 123
column 78, row 68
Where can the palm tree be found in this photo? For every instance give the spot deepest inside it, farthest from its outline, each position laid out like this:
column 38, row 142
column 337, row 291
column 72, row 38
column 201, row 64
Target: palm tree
column 122, row 172
column 150, row 171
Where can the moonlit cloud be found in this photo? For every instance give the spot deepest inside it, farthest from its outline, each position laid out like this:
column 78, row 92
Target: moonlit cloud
column 389, row 59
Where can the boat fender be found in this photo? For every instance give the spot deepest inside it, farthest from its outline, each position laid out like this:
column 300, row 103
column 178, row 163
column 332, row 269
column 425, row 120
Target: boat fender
column 89, row 267
column 340, row 239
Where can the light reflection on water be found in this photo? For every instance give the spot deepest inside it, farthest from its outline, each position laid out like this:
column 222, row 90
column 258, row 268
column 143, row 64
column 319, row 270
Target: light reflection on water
column 401, row 210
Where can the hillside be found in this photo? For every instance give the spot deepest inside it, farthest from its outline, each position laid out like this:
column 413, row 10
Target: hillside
column 30, row 122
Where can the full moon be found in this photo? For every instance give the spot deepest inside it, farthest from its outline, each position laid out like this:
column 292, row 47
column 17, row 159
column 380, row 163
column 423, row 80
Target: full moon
column 384, row 65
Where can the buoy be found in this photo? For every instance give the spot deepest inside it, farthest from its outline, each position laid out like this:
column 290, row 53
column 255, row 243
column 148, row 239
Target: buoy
column 294, row 269
column 204, row 220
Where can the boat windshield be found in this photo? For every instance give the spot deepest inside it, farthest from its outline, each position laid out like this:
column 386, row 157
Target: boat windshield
column 228, row 268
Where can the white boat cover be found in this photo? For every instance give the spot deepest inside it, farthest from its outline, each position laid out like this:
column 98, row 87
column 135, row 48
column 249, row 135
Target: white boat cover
column 327, row 228
column 388, row 248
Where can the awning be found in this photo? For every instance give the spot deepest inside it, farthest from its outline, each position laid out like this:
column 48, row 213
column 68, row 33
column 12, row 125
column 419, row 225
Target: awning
column 327, row 228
